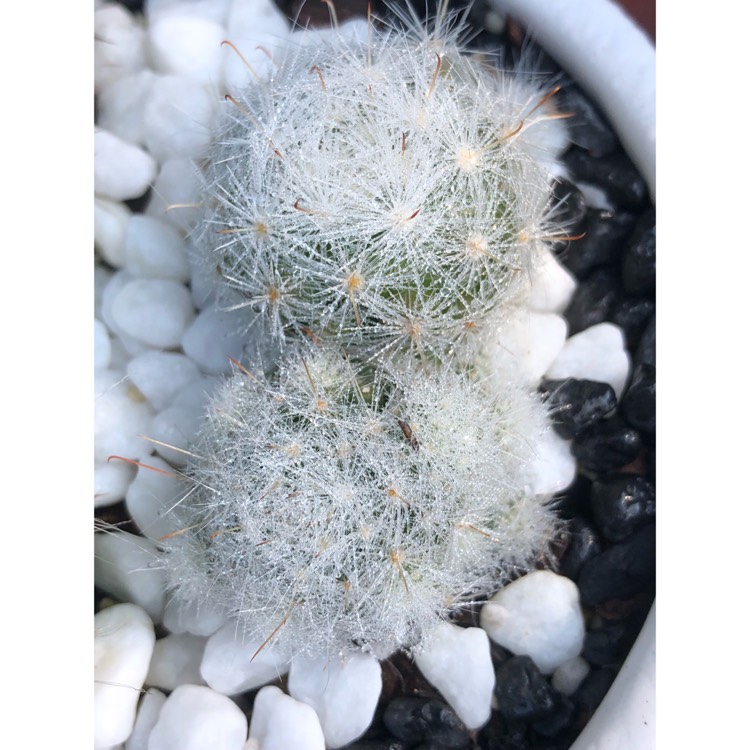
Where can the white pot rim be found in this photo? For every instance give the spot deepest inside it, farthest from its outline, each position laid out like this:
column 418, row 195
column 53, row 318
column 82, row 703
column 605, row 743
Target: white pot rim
column 615, row 62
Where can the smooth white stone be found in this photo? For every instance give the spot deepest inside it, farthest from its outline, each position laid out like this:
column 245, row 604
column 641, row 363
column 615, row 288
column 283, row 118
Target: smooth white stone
column 195, row 717
column 121, row 170
column 120, row 355
column 176, row 661
column 120, row 416
column 110, row 221
column 252, row 23
column 125, row 566
column 148, row 713
column 119, row 45
column 178, row 186
column 598, row 353
column 567, row 678
column 102, row 345
column 152, row 494
column 212, row 10
column 594, row 197
column 552, row 285
column 554, row 467
column 123, row 644
column 212, row 338
column 187, row 45
column 458, row 663
column 116, row 284
column 228, row 665
column 120, row 106
column 179, row 117
column 282, row 723
column 160, row 376
column 111, row 482
column 155, row 249
column 343, row 690
column 196, row 617
column 538, row 615
column 102, row 277
column 154, row 311
column 530, row 341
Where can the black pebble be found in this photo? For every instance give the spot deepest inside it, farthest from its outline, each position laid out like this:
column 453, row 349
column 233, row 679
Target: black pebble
column 593, row 300
column 622, row 571
column 639, row 401
column 605, row 233
column 574, row 501
column 646, row 352
column 503, row 734
column 632, row 315
column 587, row 128
column 414, row 719
column 614, row 174
column 558, row 720
column 583, row 545
column 621, row 504
column 522, row 692
column 608, row 445
column 609, row 645
column 639, row 257
column 592, row 690
column 378, row 745
column 576, row 405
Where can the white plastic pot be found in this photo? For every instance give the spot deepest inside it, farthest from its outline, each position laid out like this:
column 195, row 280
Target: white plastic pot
column 614, row 61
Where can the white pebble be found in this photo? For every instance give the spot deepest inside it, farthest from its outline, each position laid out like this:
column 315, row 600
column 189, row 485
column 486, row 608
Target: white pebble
column 120, row 416
column 102, row 345
column 282, row 723
column 125, row 566
column 111, row 482
column 598, row 353
column 553, row 467
column 252, row 24
column 102, row 277
column 212, row 338
column 538, row 615
column 121, row 170
column 228, row 665
column 567, row 678
column 176, row 661
column 155, row 249
column 179, row 117
column 120, row 106
column 116, row 284
column 156, row 312
column 187, row 45
column 343, row 690
column 119, row 45
column 148, row 713
column 196, row 617
column 152, row 494
column 552, row 285
column 123, row 644
column 110, row 220
column 458, row 663
column 195, row 717
column 160, row 376
column 176, row 190
column 212, row 10
column 530, row 341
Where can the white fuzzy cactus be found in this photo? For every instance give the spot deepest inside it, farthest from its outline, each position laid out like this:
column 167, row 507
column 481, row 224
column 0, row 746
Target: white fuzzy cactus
column 388, row 192
column 340, row 506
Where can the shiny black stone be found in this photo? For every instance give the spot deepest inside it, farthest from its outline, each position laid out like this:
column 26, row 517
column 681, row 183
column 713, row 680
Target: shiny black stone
column 622, row 571
column 576, row 405
column 522, row 692
column 574, row 501
column 608, row 445
column 605, row 233
column 378, row 745
column 587, row 128
column 503, row 734
column 639, row 401
column 592, row 690
column 414, row 719
column 593, row 300
column 609, row 645
column 621, row 504
column 558, row 720
column 632, row 315
column 646, row 352
column 639, row 257
column 614, row 174
column 583, row 545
